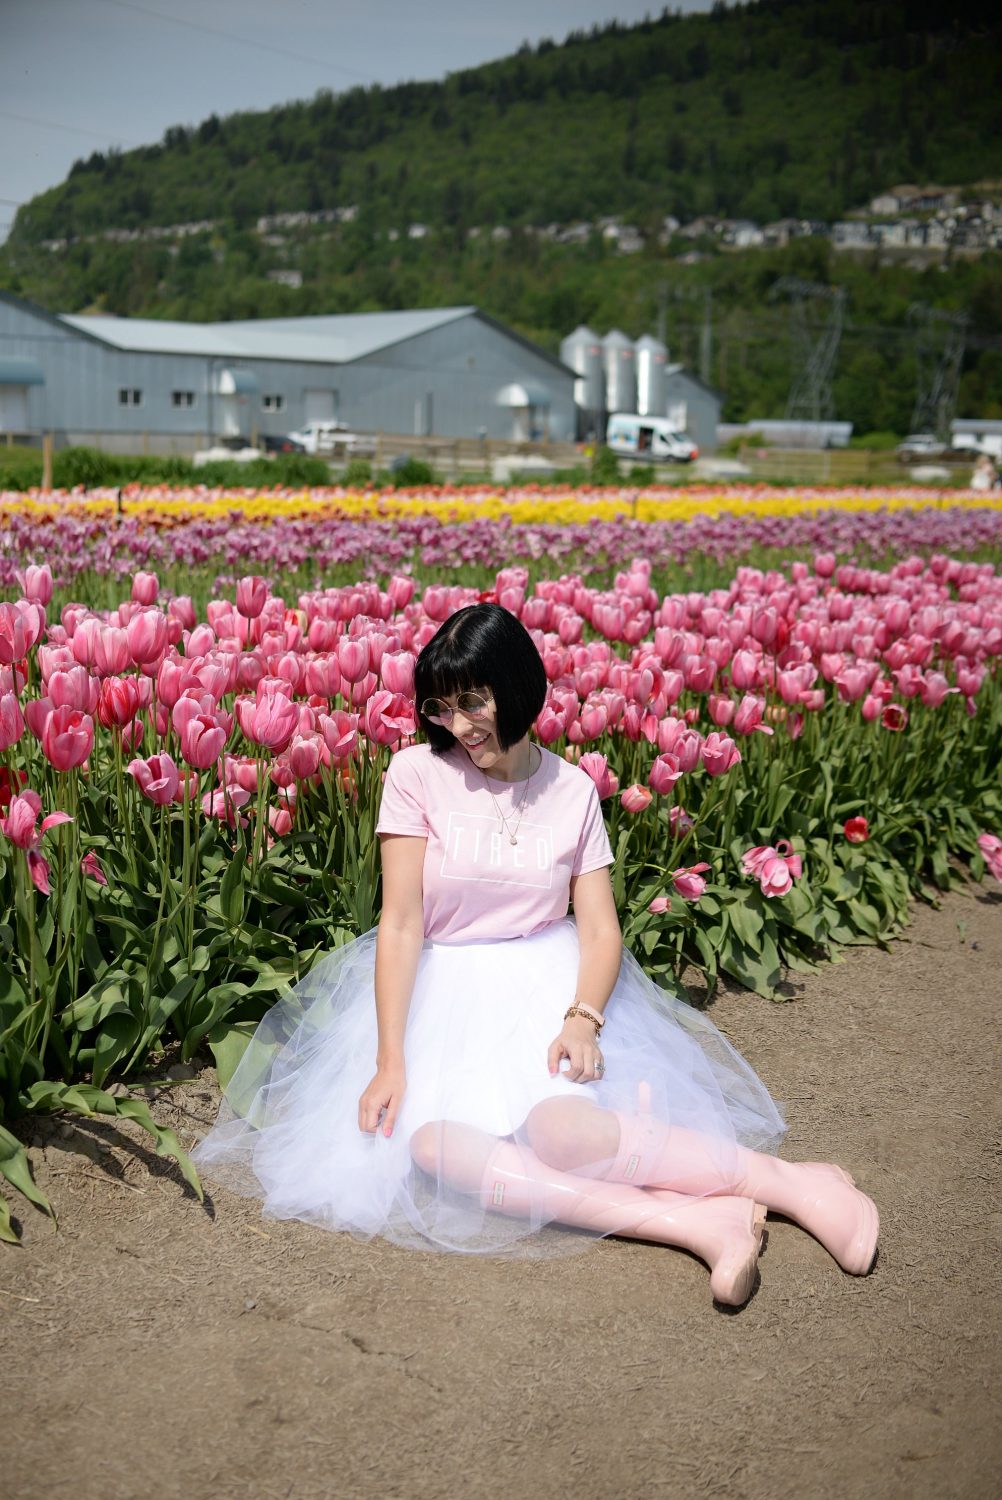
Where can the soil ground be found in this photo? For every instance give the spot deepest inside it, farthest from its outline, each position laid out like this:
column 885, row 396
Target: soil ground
column 160, row 1349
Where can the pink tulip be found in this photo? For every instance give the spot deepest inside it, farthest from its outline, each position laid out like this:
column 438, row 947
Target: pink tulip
column 688, row 881
column 720, row 754
column 745, row 670
column 397, row 672
column 400, row 590
column 636, row 798
column 353, row 657
column 775, row 867
column 202, row 740
column 597, row 767
column 36, row 582
column 389, row 718
column 550, row 725
column 145, row 588
column 19, row 631
column 360, row 692
column 269, row 721
column 935, row 689
column 659, row 905
column 67, row 738
column 304, row 756
column 11, row 720
column 91, row 865
column 20, row 827
column 824, row 564
column 679, row 822
column 252, row 594
column 200, row 641
column 721, row 709
column 991, row 849
column 748, row 716
column 340, row 733
column 592, row 719
column 224, row 804
column 111, row 651
column 146, row 634
column 280, row 820
column 664, row 773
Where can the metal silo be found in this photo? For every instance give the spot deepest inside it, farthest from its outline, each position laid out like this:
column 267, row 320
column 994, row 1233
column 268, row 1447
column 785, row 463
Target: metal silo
column 620, row 372
column 652, row 362
column 582, row 352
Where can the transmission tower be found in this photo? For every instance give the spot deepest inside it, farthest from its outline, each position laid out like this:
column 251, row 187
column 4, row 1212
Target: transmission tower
column 939, row 350
column 816, row 316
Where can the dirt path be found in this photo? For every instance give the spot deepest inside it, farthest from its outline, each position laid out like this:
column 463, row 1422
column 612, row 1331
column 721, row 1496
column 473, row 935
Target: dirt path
column 159, row 1349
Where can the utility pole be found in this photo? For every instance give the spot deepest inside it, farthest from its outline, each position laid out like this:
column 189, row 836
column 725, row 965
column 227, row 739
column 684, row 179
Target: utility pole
column 815, row 343
column 939, row 351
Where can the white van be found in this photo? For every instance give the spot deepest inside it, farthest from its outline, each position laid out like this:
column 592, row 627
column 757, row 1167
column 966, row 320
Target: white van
column 649, row 440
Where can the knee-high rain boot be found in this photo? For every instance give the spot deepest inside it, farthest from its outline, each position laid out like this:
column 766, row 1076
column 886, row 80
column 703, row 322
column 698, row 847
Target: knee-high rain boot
column 821, row 1198
column 725, row 1232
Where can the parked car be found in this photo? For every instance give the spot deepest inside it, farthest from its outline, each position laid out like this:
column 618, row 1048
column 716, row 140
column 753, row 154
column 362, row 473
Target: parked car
column 649, row 439
column 920, row 445
column 281, row 442
column 319, row 437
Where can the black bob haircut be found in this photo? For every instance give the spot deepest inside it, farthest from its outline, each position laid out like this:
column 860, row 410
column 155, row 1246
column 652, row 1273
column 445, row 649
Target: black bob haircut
column 482, row 646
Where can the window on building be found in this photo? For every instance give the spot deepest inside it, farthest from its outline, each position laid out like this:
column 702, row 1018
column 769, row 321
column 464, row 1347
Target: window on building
column 182, row 398
column 273, row 403
column 129, row 395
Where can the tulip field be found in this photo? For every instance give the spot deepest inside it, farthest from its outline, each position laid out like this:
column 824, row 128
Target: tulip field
column 790, row 702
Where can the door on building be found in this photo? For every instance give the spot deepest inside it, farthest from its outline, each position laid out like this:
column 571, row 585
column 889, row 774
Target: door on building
column 13, row 408
column 319, row 404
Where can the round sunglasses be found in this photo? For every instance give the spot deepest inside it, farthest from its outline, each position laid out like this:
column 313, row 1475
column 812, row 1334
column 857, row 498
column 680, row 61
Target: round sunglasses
column 470, row 705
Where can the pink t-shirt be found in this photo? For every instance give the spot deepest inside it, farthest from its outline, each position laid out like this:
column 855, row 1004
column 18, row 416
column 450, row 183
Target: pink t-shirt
column 478, row 887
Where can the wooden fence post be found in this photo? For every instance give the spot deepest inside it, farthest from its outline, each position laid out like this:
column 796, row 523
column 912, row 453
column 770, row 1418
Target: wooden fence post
column 46, row 460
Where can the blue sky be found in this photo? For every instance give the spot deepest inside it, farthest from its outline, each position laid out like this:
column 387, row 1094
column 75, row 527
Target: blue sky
column 78, row 76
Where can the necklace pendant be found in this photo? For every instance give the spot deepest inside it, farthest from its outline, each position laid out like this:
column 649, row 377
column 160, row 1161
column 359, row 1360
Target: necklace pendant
column 512, row 839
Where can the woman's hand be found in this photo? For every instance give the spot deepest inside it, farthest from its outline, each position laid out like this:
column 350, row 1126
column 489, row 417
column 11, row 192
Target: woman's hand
column 382, row 1098
column 579, row 1044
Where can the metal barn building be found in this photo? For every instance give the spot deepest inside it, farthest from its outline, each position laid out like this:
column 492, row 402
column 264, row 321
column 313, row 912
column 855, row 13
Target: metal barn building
column 692, row 406
column 134, row 384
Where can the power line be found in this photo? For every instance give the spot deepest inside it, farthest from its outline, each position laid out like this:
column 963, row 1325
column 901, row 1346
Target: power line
column 95, row 135
column 244, row 41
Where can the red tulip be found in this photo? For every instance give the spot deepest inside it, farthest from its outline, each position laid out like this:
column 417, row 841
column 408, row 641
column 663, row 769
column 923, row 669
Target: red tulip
column 118, row 701
column 894, row 717
column 856, row 830
column 67, row 737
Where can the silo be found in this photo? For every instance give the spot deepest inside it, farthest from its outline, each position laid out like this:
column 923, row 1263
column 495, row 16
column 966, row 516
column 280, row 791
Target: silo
column 582, row 351
column 620, row 372
column 652, row 361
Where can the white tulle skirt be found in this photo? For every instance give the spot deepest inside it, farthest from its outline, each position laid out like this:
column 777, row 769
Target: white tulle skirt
column 481, row 1020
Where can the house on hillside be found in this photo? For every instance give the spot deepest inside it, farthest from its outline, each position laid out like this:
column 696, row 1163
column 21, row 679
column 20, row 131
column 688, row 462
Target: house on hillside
column 140, row 384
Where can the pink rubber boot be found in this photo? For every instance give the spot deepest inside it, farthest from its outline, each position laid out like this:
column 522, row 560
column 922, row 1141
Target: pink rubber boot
column 819, row 1197
column 725, row 1232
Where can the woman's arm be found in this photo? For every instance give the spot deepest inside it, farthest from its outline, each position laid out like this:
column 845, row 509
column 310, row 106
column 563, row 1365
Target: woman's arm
column 399, row 939
column 601, row 949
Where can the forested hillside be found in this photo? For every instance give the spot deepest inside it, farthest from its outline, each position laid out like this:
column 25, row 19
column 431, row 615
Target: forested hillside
column 800, row 108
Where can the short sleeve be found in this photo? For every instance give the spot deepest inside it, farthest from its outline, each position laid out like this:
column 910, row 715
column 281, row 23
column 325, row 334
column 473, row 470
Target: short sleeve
column 594, row 850
column 402, row 807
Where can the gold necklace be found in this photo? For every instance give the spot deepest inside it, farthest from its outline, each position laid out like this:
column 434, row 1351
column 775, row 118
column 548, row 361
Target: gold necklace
column 520, row 809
